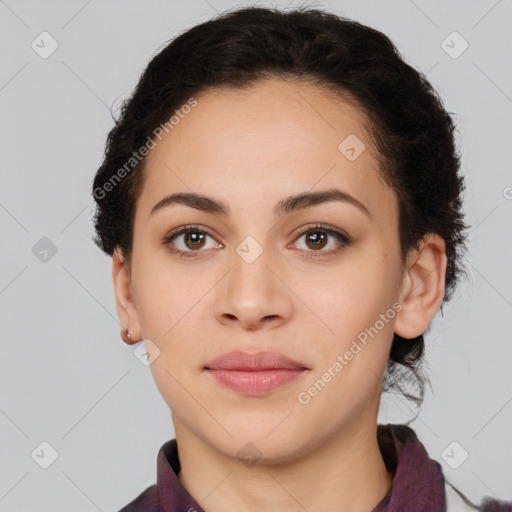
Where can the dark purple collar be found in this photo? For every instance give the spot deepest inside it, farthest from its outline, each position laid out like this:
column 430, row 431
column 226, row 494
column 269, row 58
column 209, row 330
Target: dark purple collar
column 418, row 484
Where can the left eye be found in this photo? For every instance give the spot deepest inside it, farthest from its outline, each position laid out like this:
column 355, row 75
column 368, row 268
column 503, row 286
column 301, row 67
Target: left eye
column 316, row 239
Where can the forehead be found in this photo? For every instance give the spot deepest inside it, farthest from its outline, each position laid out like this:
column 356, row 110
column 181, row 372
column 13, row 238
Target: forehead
column 273, row 139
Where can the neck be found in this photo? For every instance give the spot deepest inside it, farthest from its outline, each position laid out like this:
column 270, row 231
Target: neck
column 345, row 472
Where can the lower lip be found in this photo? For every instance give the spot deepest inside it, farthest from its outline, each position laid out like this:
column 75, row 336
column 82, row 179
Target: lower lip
column 255, row 383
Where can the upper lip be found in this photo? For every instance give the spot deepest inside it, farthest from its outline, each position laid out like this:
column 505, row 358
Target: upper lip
column 256, row 361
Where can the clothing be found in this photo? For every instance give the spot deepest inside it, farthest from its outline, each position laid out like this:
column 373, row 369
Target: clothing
column 418, row 484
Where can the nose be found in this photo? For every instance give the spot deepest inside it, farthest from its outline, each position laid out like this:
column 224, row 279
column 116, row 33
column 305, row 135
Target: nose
column 254, row 294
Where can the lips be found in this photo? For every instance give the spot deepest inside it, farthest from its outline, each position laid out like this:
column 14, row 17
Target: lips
column 254, row 374
column 253, row 362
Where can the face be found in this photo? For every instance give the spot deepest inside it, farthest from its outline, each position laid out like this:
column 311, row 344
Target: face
column 315, row 281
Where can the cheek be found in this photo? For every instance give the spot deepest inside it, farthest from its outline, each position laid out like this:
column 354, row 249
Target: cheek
column 354, row 309
column 168, row 305
column 165, row 297
column 347, row 298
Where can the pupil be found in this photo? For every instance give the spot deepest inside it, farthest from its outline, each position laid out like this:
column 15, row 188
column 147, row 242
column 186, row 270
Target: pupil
column 319, row 239
column 195, row 236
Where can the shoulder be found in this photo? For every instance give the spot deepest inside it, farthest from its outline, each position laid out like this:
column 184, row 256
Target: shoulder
column 418, row 474
column 457, row 502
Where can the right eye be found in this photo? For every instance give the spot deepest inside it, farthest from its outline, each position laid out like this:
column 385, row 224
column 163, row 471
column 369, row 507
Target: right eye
column 193, row 241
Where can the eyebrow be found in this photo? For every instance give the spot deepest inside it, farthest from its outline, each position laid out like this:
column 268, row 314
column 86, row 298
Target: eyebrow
column 283, row 207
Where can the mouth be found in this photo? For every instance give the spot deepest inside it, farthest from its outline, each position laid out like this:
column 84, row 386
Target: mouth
column 254, row 374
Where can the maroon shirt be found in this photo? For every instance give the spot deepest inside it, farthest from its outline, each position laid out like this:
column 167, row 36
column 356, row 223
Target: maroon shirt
column 418, row 483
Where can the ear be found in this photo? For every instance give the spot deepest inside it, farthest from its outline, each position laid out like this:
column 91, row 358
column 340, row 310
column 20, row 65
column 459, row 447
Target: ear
column 423, row 287
column 125, row 304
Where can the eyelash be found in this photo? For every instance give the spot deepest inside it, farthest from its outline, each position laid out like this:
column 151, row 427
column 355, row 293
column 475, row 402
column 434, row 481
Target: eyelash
column 342, row 240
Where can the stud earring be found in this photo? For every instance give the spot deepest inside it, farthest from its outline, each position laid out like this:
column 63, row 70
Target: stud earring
column 126, row 335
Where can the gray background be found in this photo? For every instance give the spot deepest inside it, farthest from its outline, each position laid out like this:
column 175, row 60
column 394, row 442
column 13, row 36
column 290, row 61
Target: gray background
column 65, row 375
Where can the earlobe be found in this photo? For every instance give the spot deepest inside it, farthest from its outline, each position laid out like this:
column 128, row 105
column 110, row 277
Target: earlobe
column 125, row 305
column 423, row 287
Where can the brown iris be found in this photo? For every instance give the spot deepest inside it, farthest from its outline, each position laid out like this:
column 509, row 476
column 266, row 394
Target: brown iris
column 319, row 239
column 197, row 239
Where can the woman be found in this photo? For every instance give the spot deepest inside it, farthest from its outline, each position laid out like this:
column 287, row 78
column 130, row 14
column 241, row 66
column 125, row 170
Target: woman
column 281, row 199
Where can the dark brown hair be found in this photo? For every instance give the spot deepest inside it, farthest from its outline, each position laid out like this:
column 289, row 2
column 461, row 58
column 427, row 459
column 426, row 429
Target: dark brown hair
column 411, row 131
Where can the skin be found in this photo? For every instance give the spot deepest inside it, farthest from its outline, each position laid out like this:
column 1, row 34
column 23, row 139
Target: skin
column 251, row 148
